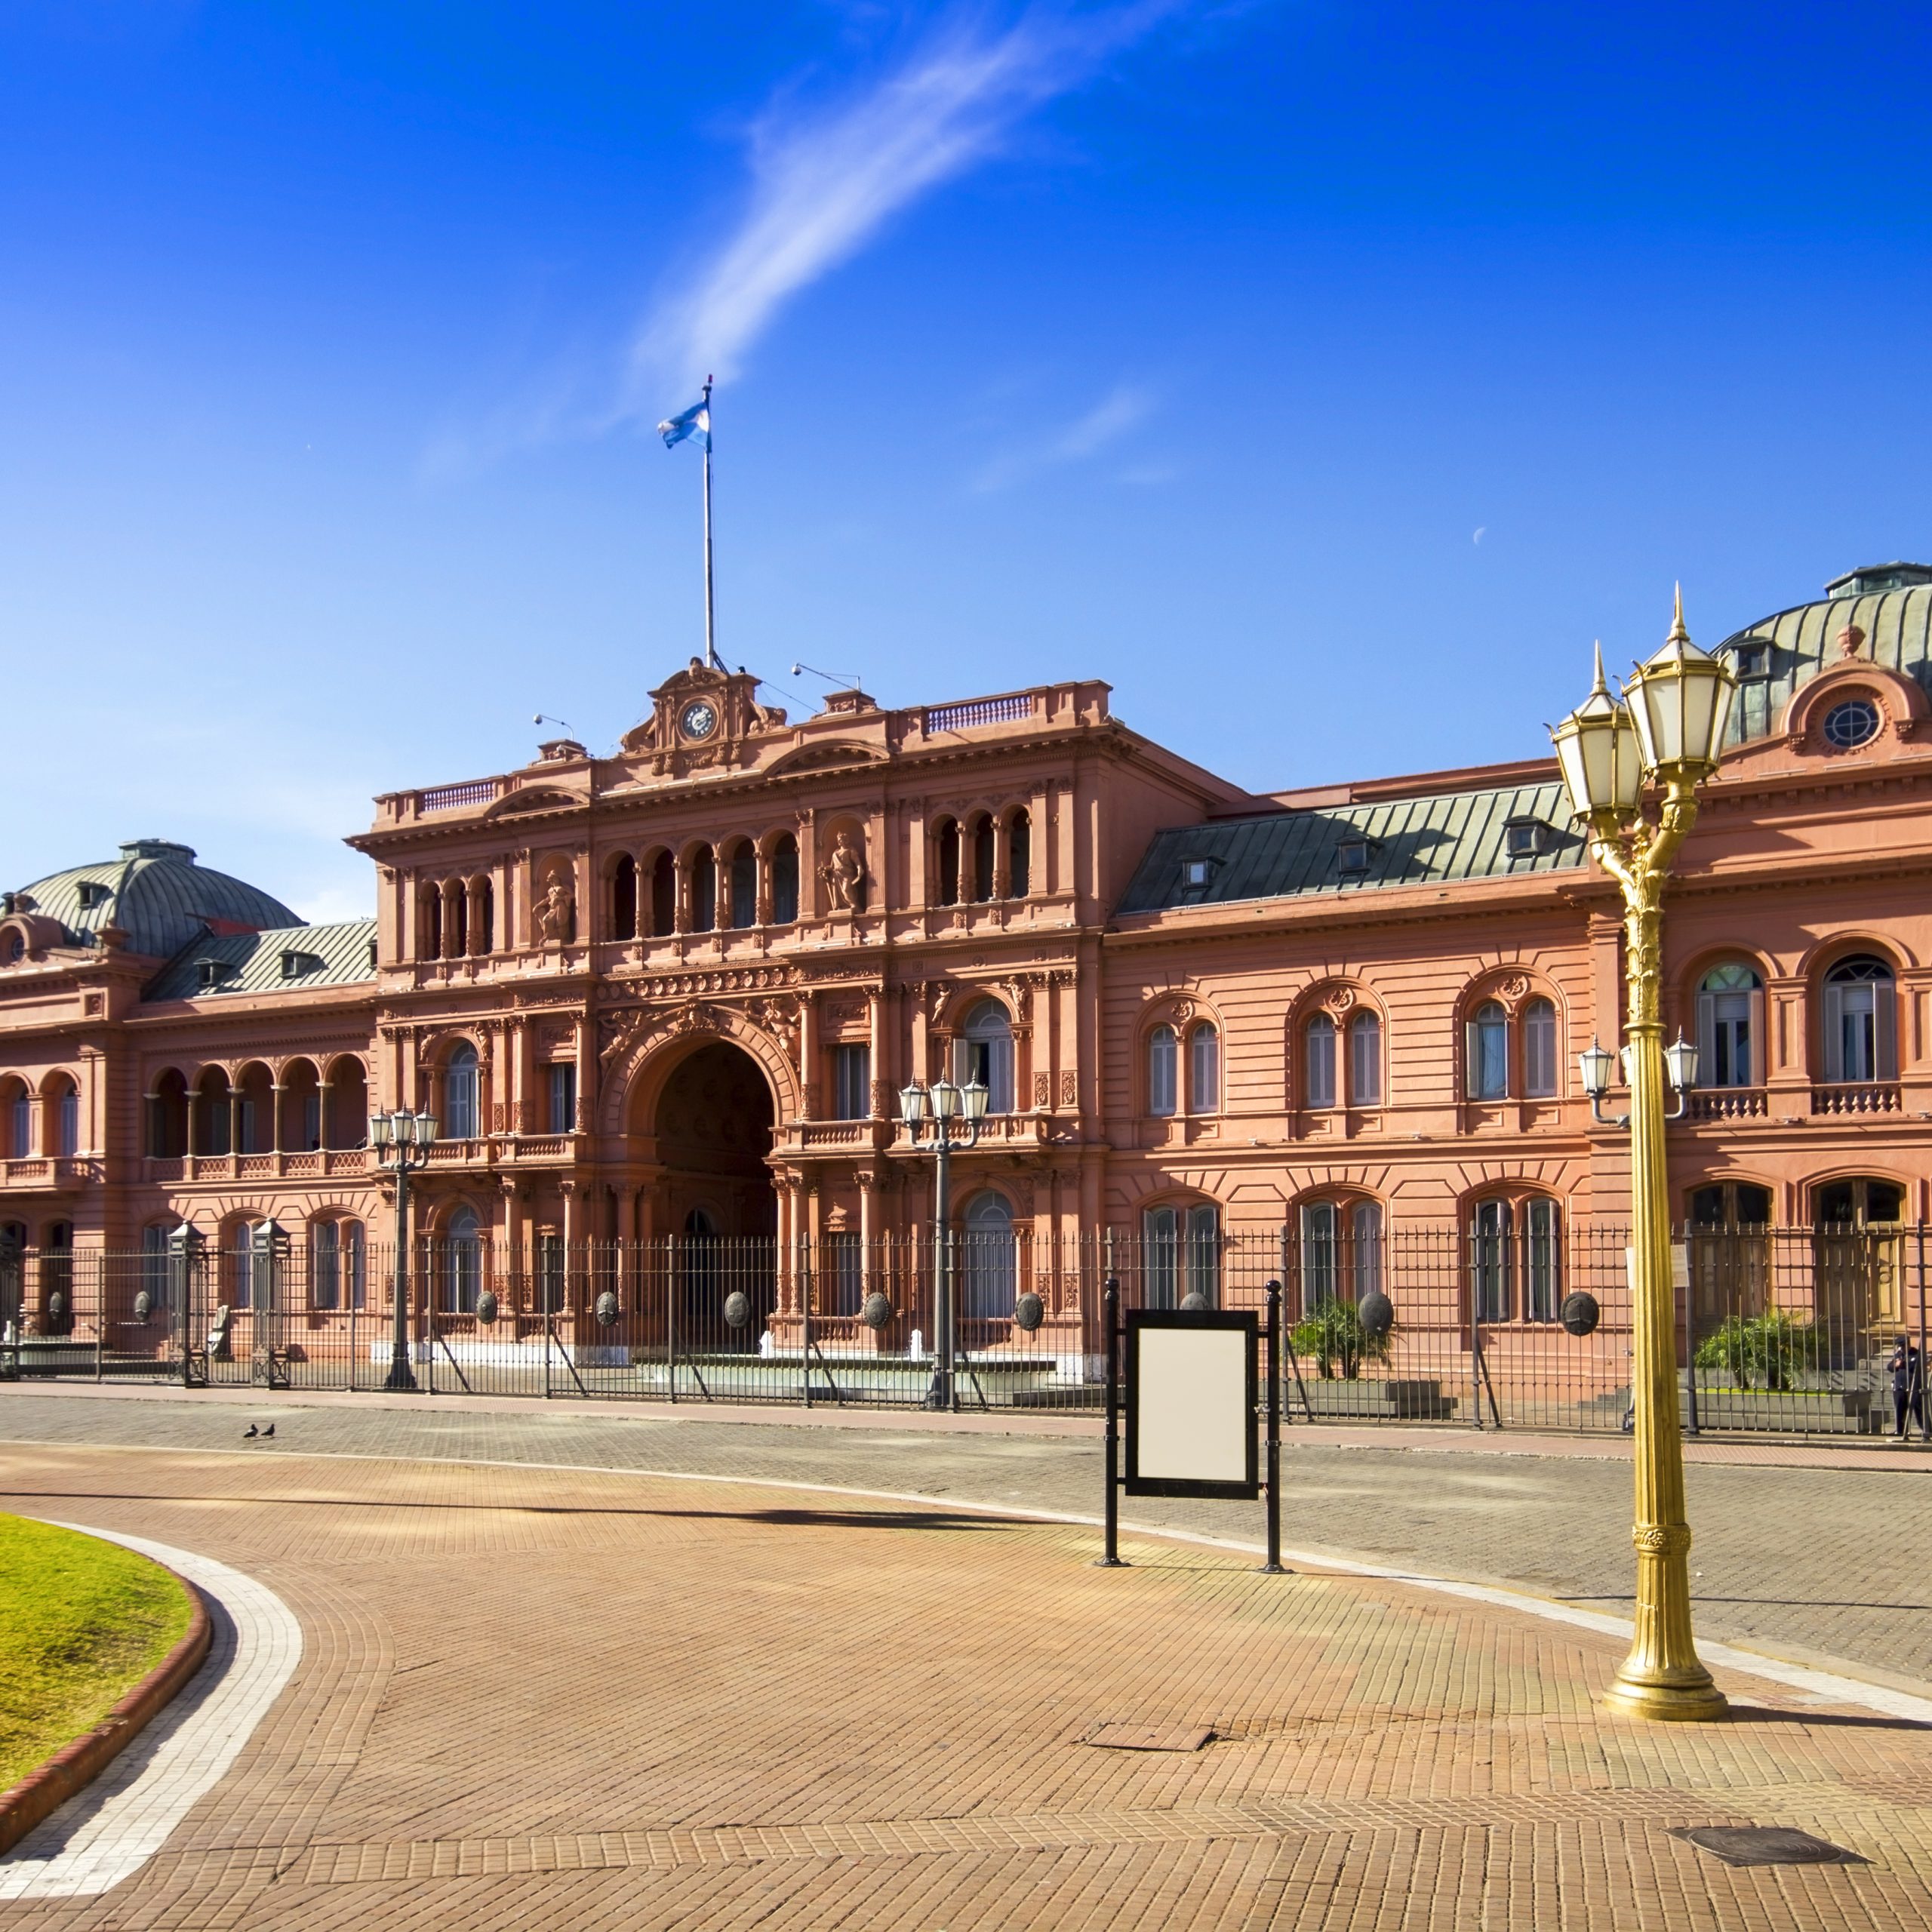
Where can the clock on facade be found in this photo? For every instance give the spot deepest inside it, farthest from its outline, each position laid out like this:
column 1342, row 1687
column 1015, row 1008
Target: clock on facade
column 699, row 719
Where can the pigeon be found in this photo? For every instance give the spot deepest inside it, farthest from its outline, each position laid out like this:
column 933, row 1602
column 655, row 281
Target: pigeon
column 268, row 1431
column 250, row 1430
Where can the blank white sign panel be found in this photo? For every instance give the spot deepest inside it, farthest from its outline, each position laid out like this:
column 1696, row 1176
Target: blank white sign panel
column 1194, row 1419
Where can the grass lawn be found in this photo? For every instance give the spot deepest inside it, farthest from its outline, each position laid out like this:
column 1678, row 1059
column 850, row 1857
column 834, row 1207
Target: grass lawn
column 81, row 1621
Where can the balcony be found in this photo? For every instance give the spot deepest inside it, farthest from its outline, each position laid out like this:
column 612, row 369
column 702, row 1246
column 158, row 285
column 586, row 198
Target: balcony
column 48, row 1175
column 1880, row 1097
column 317, row 1164
column 1729, row 1103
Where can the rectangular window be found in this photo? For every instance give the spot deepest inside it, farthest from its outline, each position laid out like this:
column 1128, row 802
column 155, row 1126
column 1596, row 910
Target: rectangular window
column 1488, row 1049
column 312, row 1122
column 1162, row 1054
column 1204, row 1073
column 1319, row 1074
column 1365, row 1231
column 1318, row 1254
column 1203, row 1252
column 67, row 1137
column 1489, row 1260
column 550, row 1271
column 20, row 1138
column 851, row 1082
column 326, row 1289
column 1539, row 1051
column 563, row 1097
column 844, row 1287
column 1365, row 1061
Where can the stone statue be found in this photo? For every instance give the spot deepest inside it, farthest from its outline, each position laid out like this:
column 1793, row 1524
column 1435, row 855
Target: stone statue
column 554, row 913
column 844, row 875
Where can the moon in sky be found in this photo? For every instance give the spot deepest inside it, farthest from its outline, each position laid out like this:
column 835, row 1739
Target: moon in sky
column 1478, row 537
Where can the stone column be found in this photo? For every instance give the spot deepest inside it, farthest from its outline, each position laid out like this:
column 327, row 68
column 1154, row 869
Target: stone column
column 277, row 1093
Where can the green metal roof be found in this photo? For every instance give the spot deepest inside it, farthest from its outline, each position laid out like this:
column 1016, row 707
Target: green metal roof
column 286, row 959
column 156, row 894
column 1803, row 640
column 1401, row 841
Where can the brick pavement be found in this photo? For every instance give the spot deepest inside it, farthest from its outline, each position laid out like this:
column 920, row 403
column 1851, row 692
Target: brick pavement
column 531, row 1698
column 1815, row 1559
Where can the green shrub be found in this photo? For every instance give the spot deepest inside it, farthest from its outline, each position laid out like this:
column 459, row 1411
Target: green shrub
column 1772, row 1348
column 1332, row 1334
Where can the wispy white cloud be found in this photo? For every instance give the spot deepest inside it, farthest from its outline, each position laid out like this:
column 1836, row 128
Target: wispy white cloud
column 824, row 183
column 1124, row 406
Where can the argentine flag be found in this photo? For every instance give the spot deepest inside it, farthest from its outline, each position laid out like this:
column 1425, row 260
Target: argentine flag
column 696, row 421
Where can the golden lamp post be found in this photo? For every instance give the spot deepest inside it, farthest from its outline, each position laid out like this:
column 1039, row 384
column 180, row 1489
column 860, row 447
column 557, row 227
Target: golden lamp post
column 1664, row 736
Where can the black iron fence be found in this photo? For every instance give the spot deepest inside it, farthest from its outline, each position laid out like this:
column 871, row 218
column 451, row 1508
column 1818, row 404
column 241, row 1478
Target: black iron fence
column 1791, row 1331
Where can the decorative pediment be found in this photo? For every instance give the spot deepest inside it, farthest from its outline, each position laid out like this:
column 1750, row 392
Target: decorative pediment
column 840, row 755
column 535, row 800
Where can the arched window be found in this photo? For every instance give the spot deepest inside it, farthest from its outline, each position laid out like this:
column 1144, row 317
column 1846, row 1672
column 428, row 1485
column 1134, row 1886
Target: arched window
column 703, row 890
column 1203, row 1070
column 462, row 1261
column 663, row 896
column 1161, row 1056
column 985, row 1053
column 67, row 1120
column 945, row 862
column 1341, row 1251
column 1539, row 1061
column 624, row 899
column 338, row 1269
column 744, row 885
column 1488, row 1049
column 19, row 1125
column 785, row 880
column 1180, row 1254
column 1730, row 1013
column 1861, row 1021
column 1019, row 857
column 1365, row 1059
column 460, row 1110
column 989, row 1268
column 1317, row 1061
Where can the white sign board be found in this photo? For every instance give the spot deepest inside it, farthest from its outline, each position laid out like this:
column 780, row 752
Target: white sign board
column 1191, row 1381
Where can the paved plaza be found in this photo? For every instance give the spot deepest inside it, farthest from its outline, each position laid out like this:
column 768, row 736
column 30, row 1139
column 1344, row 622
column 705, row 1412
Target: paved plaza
column 592, row 1696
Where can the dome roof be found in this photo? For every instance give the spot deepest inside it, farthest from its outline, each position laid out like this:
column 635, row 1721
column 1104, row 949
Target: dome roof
column 156, row 893
column 1890, row 604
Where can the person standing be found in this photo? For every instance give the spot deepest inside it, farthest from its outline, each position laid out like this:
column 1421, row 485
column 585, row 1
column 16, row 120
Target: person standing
column 1908, row 1385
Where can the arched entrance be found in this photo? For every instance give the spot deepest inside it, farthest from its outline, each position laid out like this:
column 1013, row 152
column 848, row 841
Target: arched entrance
column 710, row 1131
column 711, row 1127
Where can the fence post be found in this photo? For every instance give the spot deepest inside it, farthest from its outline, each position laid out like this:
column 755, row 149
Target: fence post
column 1273, row 1565
column 1690, row 1330
column 1110, row 1317
column 805, row 1276
column 1475, row 1328
column 1924, row 1406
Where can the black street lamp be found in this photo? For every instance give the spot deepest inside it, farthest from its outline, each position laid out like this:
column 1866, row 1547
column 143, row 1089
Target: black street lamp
column 402, row 1141
column 947, row 1104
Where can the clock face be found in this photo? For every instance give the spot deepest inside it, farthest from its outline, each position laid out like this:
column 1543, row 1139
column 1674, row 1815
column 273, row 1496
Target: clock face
column 699, row 719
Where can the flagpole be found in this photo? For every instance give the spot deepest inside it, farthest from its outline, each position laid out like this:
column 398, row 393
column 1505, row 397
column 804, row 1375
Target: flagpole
column 710, row 618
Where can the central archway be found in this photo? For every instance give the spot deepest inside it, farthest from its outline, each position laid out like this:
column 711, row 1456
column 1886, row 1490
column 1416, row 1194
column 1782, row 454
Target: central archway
column 712, row 1127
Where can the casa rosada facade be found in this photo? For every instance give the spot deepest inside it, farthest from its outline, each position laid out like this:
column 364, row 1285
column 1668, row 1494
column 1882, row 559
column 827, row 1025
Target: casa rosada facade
column 674, row 991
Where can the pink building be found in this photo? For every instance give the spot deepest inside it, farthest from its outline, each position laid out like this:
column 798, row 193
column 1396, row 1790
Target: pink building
column 673, row 993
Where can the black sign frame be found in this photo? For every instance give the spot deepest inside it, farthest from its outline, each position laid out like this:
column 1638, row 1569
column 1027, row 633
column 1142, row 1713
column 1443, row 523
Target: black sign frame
column 1244, row 1321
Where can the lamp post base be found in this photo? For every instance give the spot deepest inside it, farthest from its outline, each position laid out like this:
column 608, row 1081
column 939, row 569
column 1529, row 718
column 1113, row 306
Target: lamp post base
column 1682, row 1695
column 401, row 1377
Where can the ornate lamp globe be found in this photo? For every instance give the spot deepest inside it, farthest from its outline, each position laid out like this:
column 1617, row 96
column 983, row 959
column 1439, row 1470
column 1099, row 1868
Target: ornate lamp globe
column 974, row 1095
column 426, row 1129
column 1680, row 703
column 946, row 1099
column 1594, row 1063
column 1681, row 1061
column 1598, row 751
column 912, row 1103
column 379, row 1131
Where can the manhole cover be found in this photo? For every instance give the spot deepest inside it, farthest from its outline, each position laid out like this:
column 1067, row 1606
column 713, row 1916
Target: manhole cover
column 1151, row 1737
column 1766, row 1845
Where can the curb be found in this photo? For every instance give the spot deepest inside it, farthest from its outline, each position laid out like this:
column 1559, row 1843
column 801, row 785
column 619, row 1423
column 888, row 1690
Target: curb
column 72, row 1769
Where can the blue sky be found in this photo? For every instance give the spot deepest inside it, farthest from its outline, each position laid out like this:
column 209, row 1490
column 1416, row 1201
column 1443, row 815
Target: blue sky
column 1324, row 375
